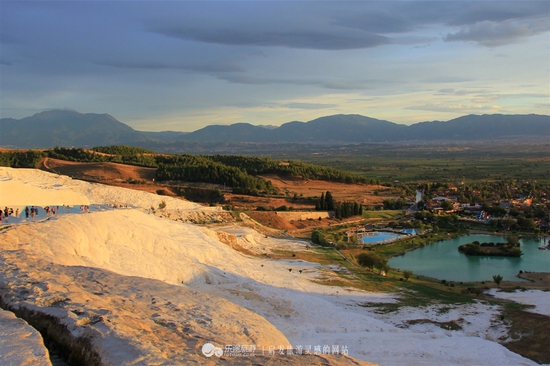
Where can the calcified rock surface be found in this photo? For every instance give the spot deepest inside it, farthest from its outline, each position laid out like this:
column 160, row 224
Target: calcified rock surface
column 20, row 344
column 128, row 319
column 126, row 287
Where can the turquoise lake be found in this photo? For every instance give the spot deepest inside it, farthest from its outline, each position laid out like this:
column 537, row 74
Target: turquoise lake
column 442, row 260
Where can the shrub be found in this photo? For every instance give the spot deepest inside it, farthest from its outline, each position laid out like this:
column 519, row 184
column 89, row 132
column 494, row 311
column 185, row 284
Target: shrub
column 373, row 260
column 318, row 237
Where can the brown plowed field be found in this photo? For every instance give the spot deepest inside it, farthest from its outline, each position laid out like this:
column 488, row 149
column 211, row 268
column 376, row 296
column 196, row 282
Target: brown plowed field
column 340, row 191
column 107, row 173
column 98, row 171
column 121, row 174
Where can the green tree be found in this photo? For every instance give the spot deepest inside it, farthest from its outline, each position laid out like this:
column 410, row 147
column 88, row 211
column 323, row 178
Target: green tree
column 407, row 274
column 329, row 201
column 497, row 279
column 322, row 203
column 526, row 223
column 512, row 239
column 373, row 260
column 447, row 205
column 317, row 237
column 366, row 260
column 507, row 223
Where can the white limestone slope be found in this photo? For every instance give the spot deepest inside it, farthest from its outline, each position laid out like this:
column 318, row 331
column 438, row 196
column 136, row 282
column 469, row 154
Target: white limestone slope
column 20, row 344
column 105, row 266
column 540, row 300
column 21, row 187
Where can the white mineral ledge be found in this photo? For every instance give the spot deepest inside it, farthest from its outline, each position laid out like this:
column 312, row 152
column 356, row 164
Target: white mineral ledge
column 20, row 344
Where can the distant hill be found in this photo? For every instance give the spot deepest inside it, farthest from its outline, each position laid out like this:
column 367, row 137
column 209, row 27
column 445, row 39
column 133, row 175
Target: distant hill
column 238, row 132
column 68, row 128
column 340, row 128
column 333, row 129
column 484, row 127
column 356, row 129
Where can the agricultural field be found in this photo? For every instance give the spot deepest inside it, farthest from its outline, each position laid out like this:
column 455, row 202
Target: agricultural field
column 444, row 163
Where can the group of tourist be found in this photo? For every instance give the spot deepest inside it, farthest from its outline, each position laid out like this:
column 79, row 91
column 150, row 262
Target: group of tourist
column 31, row 212
column 51, row 211
column 6, row 213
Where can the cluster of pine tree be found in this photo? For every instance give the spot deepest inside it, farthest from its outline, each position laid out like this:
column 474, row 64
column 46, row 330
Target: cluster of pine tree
column 117, row 154
column 341, row 210
column 75, row 154
column 325, row 203
column 256, row 166
column 193, row 168
column 348, row 209
column 21, row 159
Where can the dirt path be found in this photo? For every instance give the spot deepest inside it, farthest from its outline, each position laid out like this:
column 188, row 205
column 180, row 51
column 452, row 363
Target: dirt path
column 538, row 279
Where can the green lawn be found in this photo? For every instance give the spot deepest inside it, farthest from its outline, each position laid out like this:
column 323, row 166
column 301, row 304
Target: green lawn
column 386, row 214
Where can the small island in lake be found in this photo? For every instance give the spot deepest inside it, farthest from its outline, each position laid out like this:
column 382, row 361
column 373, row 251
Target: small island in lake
column 509, row 249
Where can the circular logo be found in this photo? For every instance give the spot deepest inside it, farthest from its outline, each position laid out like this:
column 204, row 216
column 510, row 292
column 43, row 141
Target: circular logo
column 209, row 350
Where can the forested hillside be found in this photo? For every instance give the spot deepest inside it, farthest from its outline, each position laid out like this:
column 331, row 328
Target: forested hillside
column 241, row 174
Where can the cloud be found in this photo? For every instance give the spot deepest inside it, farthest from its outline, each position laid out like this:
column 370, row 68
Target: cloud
column 347, row 84
column 544, row 106
column 325, row 83
column 495, row 96
column 484, row 99
column 320, row 39
column 445, row 91
column 463, row 108
column 159, row 65
column 348, row 25
column 444, row 79
column 302, row 25
column 309, row 105
column 460, row 92
column 381, row 20
column 472, row 12
column 478, row 97
column 491, row 34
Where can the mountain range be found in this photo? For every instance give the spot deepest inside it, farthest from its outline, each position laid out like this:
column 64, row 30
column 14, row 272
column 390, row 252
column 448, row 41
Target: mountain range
column 69, row 128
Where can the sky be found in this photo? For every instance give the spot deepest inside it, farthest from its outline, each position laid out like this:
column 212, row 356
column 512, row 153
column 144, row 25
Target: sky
column 183, row 65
